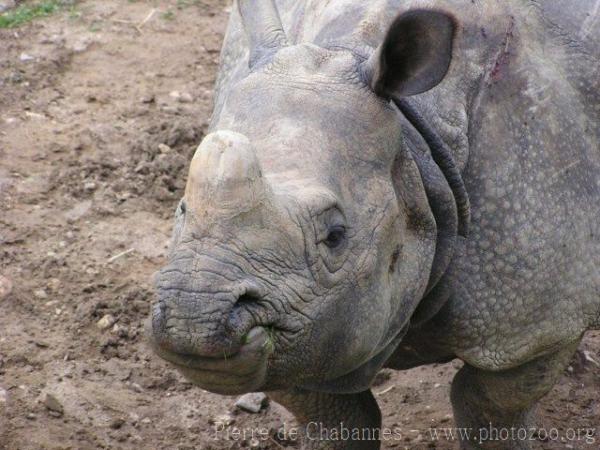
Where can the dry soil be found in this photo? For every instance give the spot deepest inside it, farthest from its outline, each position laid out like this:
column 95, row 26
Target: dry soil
column 101, row 107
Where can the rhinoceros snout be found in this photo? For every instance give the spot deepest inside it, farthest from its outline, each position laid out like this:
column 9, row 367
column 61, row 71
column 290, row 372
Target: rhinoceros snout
column 227, row 355
column 211, row 324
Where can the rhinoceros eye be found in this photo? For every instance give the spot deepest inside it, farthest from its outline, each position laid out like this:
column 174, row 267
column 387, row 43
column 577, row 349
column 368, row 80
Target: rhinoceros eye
column 335, row 236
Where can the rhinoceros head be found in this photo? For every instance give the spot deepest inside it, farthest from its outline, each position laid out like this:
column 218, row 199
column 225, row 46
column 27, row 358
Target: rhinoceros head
column 305, row 239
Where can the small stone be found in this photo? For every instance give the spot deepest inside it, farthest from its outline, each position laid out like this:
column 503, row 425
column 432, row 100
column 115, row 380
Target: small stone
column 117, row 423
column 5, row 287
column 164, row 148
column 54, row 283
column 252, row 402
column 170, row 109
column 41, row 294
column 185, row 97
column 107, row 321
column 52, row 403
column 53, row 39
column 82, row 45
column 146, row 420
column 30, row 416
column 148, row 99
column 224, row 420
column 3, row 395
column 137, row 388
column 35, row 115
column 89, row 186
column 142, row 168
column 25, row 57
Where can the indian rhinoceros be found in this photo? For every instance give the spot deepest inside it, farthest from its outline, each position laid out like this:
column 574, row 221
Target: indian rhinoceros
column 391, row 183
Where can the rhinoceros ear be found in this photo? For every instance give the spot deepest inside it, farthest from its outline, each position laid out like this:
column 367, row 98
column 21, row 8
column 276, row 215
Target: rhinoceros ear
column 414, row 56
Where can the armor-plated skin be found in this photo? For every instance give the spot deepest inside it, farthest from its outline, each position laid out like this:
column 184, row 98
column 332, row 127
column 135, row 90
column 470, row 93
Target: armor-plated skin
column 261, row 304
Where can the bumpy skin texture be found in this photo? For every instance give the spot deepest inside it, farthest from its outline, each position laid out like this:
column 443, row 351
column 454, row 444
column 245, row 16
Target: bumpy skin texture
column 505, row 399
column 328, row 416
column 519, row 110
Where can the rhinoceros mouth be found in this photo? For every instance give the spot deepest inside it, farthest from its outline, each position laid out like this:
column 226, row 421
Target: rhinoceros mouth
column 244, row 371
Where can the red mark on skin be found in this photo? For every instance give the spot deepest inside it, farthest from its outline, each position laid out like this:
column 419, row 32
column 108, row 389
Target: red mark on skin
column 502, row 60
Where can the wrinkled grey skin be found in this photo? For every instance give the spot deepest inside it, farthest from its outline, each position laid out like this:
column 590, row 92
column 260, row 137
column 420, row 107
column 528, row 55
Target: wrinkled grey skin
column 252, row 299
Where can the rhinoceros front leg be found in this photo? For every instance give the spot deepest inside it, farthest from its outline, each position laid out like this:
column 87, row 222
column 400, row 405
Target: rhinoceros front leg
column 498, row 408
column 334, row 421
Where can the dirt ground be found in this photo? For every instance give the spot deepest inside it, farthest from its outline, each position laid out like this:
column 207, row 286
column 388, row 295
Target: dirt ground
column 101, row 107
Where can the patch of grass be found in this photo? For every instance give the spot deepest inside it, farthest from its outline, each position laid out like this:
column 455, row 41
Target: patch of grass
column 29, row 11
column 74, row 13
column 269, row 344
column 181, row 4
column 95, row 26
column 168, row 15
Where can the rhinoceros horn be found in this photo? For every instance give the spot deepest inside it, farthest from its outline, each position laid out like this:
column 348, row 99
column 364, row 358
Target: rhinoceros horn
column 263, row 28
column 225, row 175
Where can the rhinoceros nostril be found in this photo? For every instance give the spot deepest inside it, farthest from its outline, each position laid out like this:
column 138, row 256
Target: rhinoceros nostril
column 244, row 310
column 247, row 293
column 247, row 298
